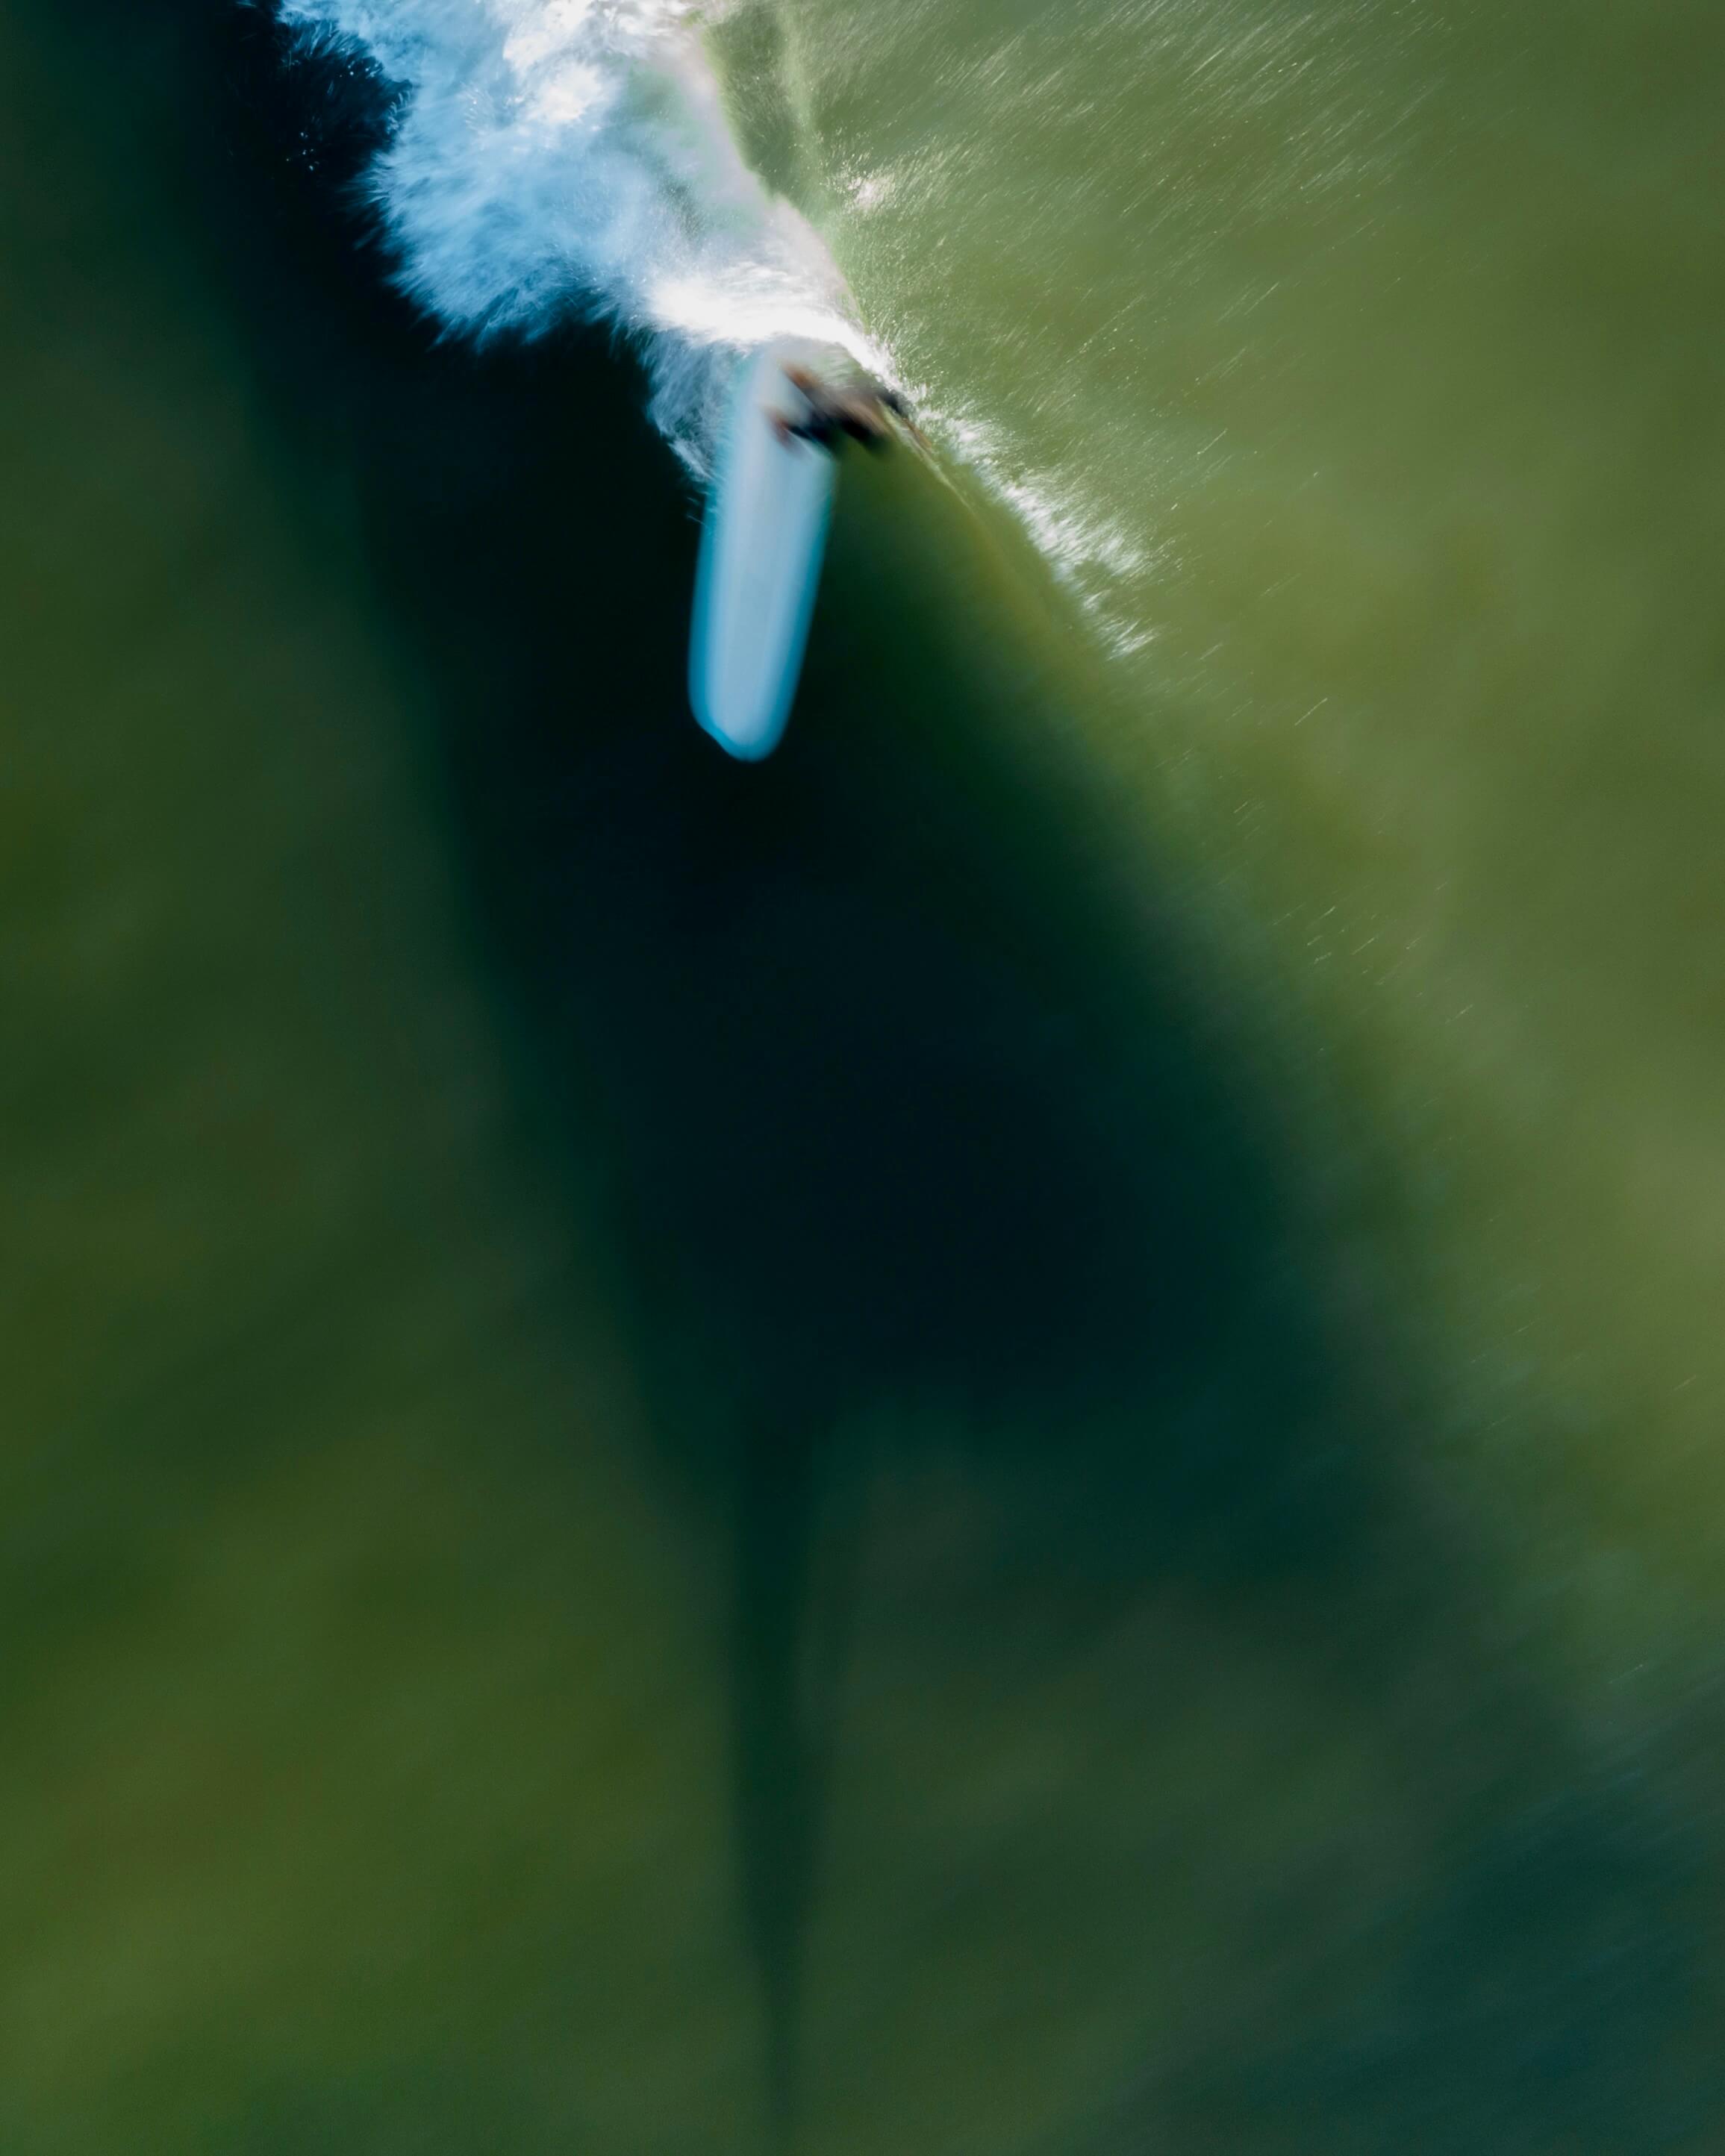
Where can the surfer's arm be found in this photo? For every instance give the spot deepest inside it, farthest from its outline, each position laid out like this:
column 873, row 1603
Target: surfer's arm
column 900, row 411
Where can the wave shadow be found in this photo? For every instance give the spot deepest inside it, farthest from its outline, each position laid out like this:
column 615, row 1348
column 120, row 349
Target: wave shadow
column 916, row 1141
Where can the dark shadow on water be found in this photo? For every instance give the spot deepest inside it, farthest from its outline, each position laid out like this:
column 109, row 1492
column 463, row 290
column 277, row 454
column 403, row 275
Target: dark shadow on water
column 891, row 1111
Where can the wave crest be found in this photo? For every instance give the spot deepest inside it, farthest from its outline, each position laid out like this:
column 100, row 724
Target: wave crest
column 551, row 158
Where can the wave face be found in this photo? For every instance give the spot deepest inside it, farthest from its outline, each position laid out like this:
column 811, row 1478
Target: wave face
column 552, row 158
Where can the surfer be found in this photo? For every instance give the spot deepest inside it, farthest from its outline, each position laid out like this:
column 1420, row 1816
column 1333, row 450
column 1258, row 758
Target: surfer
column 864, row 413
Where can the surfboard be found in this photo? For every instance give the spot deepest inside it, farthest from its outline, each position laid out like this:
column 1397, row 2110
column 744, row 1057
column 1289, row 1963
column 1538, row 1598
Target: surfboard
column 761, row 548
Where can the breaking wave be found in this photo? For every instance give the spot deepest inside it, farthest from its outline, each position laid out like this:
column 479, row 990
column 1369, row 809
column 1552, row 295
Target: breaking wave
column 552, row 158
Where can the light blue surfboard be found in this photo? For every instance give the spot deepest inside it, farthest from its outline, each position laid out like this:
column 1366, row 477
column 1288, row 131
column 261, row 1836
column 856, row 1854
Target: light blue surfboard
column 761, row 550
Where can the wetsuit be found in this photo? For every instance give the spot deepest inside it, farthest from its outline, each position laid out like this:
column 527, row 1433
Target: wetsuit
column 820, row 428
column 824, row 424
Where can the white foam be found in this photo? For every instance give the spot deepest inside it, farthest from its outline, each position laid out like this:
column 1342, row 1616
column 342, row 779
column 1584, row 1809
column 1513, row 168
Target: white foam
column 551, row 157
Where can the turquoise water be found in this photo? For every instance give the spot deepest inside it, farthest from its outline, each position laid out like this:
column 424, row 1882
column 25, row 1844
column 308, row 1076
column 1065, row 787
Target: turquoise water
column 1002, row 1438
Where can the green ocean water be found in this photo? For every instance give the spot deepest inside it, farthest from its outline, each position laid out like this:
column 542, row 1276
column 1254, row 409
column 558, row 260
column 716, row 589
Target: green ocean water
column 1003, row 1439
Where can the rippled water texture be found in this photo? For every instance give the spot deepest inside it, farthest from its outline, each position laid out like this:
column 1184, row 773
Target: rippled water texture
column 998, row 1441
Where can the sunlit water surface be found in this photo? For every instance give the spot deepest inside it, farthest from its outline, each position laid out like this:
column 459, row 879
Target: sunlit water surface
column 1004, row 1438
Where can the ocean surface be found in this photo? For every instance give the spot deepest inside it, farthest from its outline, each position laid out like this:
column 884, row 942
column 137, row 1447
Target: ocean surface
column 1003, row 1440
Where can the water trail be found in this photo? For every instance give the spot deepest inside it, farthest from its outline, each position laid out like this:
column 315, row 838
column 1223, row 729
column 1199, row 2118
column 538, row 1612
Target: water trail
column 558, row 157
column 552, row 158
